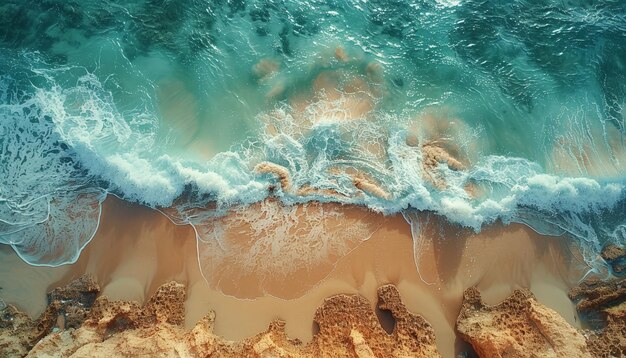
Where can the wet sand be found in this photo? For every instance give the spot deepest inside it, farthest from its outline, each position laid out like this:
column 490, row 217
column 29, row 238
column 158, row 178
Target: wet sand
column 138, row 249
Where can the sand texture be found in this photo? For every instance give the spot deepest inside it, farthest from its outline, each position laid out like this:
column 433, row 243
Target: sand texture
column 137, row 250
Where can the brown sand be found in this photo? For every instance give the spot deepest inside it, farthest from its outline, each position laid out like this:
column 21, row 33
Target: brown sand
column 137, row 249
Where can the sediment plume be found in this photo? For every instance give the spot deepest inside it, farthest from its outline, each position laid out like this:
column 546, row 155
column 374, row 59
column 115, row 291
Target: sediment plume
column 265, row 69
column 433, row 155
column 281, row 172
column 360, row 181
column 347, row 327
column 517, row 327
column 369, row 186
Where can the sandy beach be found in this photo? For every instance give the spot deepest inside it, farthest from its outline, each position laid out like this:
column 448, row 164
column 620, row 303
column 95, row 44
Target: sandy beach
column 131, row 258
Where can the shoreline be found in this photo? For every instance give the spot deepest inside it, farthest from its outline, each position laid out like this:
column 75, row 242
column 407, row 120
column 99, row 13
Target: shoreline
column 132, row 258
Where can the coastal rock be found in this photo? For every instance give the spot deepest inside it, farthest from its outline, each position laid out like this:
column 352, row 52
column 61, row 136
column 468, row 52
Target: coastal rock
column 517, row 327
column 167, row 305
column 68, row 307
column 616, row 257
column 595, row 295
column 613, row 252
column 119, row 326
column 271, row 343
column 603, row 305
column 610, row 340
column 16, row 332
column 347, row 327
column 82, row 291
column 71, row 303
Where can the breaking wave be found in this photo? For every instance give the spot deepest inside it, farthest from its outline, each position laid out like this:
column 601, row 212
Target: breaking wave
column 413, row 106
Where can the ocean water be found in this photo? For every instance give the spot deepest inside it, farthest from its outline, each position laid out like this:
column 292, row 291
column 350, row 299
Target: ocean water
column 481, row 112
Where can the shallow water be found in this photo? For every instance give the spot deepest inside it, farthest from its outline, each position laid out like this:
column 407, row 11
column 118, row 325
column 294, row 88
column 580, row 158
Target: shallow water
column 224, row 114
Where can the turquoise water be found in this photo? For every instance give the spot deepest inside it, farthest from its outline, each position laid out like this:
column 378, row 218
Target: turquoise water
column 478, row 111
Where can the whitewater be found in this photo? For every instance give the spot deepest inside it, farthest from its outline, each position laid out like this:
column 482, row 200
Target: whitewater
column 480, row 112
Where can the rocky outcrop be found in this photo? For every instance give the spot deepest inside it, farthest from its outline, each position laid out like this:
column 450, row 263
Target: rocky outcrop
column 360, row 181
column 350, row 319
column 347, row 327
column 77, row 324
column 68, row 306
column 434, row 154
column 610, row 340
column 596, row 295
column 17, row 332
column 603, row 305
column 522, row 327
column 73, row 301
column 615, row 256
column 118, row 326
column 517, row 327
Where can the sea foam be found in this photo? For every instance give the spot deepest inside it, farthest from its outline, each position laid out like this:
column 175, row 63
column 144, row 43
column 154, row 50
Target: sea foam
column 400, row 107
column 68, row 147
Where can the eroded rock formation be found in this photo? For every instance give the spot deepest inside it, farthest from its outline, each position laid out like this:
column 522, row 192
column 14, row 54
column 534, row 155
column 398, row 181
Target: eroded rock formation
column 603, row 305
column 17, row 332
column 349, row 318
column 615, row 256
column 517, row 327
column 522, row 327
column 347, row 327
column 597, row 295
column 68, row 307
column 74, row 301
